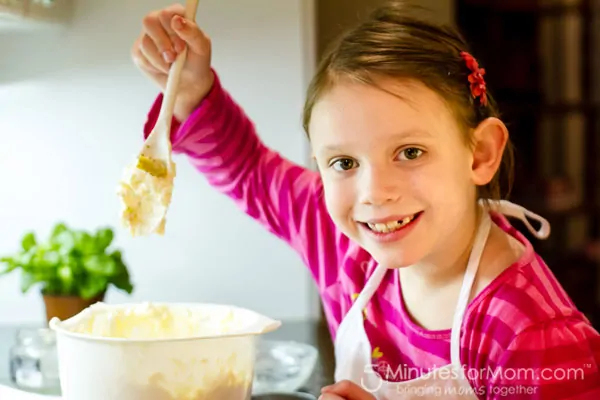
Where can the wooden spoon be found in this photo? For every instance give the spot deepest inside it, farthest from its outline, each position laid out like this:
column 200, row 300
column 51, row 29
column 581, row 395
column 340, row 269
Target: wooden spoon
column 155, row 157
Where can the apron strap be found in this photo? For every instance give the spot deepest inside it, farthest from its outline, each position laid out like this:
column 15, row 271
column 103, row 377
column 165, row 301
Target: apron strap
column 370, row 288
column 509, row 209
column 516, row 211
column 465, row 291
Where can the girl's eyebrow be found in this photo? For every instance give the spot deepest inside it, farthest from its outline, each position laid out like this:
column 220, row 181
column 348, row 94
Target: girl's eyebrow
column 410, row 133
column 403, row 135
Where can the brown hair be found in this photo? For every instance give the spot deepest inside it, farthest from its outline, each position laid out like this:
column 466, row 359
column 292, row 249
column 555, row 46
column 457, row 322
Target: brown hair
column 395, row 41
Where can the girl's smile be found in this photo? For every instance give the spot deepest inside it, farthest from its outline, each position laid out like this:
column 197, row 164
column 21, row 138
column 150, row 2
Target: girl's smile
column 391, row 229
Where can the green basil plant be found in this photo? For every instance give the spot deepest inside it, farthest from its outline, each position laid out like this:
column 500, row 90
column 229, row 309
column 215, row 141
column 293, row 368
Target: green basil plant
column 70, row 262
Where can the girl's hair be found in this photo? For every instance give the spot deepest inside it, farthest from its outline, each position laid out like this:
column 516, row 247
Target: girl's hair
column 395, row 41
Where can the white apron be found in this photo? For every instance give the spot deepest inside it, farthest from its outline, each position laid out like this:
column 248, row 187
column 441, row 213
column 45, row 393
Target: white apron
column 353, row 350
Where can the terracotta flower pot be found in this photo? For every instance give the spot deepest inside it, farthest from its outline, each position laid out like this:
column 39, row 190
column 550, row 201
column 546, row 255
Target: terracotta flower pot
column 65, row 307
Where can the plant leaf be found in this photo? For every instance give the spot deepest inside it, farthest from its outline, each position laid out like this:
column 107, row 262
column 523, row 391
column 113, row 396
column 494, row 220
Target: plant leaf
column 66, row 277
column 8, row 265
column 104, row 238
column 85, row 243
column 63, row 242
column 28, row 279
column 92, row 286
column 58, row 229
column 51, row 259
column 121, row 279
column 28, row 241
column 123, row 282
column 24, row 259
column 100, row 264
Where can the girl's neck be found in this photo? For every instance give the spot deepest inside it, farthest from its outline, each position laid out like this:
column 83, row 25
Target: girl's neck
column 431, row 288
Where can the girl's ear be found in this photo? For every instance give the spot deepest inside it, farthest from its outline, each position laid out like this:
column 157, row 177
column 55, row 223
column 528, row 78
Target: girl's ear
column 490, row 139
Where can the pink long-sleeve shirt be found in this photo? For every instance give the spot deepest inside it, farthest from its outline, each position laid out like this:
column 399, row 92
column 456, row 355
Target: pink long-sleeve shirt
column 523, row 337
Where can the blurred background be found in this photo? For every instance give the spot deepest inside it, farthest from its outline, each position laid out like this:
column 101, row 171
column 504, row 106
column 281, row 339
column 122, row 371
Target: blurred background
column 72, row 107
column 542, row 59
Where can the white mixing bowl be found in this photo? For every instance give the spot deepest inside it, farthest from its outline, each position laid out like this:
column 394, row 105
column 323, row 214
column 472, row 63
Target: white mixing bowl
column 209, row 353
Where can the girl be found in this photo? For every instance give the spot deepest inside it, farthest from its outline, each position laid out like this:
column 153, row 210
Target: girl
column 427, row 288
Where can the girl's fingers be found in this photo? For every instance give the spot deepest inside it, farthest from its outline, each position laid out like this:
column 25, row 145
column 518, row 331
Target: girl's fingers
column 153, row 55
column 189, row 32
column 157, row 34
column 165, row 19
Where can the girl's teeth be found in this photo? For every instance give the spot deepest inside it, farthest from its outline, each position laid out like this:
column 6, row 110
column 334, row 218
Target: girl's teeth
column 390, row 226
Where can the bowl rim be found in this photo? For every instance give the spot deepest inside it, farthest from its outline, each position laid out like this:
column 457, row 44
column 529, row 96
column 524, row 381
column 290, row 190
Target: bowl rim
column 62, row 328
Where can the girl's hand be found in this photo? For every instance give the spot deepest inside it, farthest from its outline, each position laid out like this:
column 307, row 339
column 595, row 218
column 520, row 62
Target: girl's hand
column 164, row 35
column 345, row 390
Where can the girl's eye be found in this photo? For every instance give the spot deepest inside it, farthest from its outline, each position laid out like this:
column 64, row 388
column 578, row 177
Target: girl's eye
column 343, row 164
column 411, row 153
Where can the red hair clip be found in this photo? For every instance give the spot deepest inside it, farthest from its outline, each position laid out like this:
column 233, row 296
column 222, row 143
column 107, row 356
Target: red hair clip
column 478, row 88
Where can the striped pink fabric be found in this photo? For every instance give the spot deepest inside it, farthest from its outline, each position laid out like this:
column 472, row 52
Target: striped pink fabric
column 523, row 337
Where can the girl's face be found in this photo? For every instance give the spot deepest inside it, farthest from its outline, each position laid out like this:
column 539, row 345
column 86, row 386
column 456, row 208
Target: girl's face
column 399, row 178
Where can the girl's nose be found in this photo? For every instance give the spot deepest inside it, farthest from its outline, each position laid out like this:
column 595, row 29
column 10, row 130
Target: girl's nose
column 378, row 186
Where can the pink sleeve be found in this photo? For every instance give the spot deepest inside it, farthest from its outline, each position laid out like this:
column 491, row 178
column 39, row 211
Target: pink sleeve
column 222, row 144
column 557, row 360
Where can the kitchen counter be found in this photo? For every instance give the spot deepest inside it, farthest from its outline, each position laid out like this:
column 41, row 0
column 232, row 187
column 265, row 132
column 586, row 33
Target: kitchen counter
column 313, row 333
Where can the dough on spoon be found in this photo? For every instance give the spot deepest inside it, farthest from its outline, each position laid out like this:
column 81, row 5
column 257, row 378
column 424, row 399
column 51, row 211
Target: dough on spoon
column 145, row 199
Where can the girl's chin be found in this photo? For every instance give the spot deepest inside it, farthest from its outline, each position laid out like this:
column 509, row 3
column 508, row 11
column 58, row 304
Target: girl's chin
column 396, row 259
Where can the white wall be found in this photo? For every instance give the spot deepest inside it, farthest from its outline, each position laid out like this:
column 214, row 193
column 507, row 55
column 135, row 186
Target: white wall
column 72, row 107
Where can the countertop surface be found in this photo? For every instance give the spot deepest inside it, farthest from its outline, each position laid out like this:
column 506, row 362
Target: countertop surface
column 313, row 333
